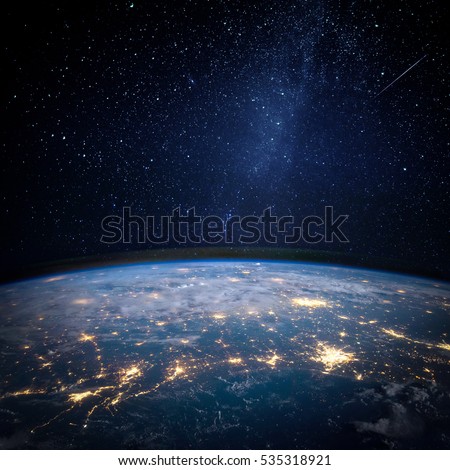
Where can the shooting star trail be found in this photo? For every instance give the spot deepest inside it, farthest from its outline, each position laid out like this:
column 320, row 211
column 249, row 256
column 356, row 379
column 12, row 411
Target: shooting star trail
column 400, row 76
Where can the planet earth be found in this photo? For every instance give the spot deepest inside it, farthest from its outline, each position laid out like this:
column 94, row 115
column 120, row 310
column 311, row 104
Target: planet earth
column 225, row 355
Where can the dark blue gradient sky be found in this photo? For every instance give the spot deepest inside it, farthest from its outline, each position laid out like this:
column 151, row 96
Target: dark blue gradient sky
column 230, row 107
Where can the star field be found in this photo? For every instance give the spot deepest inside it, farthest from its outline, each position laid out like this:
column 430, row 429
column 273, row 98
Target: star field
column 230, row 107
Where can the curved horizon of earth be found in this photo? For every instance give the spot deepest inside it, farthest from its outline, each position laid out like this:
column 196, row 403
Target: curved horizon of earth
column 228, row 354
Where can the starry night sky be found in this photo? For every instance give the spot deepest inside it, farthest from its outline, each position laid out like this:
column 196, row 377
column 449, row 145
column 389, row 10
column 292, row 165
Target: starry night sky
column 228, row 106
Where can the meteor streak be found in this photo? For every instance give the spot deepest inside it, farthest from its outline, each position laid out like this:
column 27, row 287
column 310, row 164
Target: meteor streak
column 400, row 76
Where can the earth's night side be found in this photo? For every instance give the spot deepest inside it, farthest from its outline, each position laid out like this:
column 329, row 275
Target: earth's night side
column 215, row 354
